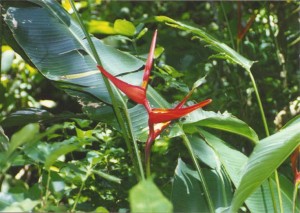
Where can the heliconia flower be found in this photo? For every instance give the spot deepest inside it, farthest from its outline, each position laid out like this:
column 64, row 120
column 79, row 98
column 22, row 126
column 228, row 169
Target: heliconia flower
column 135, row 93
column 149, row 61
column 295, row 160
column 163, row 115
column 159, row 118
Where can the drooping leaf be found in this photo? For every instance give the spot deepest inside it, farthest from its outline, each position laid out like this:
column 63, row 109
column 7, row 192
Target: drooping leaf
column 204, row 152
column 225, row 122
column 267, row 155
column 216, row 45
column 146, row 197
column 187, row 194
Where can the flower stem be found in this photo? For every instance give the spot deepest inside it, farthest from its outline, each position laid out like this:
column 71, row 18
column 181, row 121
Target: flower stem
column 127, row 132
column 267, row 134
column 261, row 109
column 200, row 173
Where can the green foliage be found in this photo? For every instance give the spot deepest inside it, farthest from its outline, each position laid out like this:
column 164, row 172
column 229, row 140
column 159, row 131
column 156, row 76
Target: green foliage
column 267, row 155
column 187, row 195
column 58, row 155
column 146, row 197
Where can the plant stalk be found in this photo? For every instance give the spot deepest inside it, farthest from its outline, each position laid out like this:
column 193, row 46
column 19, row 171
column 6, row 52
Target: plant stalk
column 228, row 26
column 47, row 192
column 267, row 134
column 200, row 173
column 261, row 109
column 87, row 174
column 127, row 133
column 295, row 193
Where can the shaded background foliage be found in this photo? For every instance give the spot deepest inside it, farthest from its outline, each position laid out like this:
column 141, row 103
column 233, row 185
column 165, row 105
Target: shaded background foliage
column 272, row 40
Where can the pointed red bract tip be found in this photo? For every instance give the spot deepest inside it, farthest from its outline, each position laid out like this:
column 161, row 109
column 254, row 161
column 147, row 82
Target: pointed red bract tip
column 149, row 61
column 135, row 93
column 164, row 115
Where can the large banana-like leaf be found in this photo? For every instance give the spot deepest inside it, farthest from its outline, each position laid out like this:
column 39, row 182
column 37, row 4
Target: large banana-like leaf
column 267, row 155
column 234, row 163
column 56, row 45
column 187, row 194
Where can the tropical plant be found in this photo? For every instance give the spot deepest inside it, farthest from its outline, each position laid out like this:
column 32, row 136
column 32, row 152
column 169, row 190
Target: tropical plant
column 86, row 161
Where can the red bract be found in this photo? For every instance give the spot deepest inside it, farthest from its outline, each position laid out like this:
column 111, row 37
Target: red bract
column 159, row 118
column 135, row 93
column 164, row 115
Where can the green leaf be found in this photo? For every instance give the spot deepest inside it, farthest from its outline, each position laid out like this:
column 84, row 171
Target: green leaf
column 293, row 121
column 213, row 43
column 25, row 205
column 199, row 82
column 146, row 197
column 59, row 49
column 49, row 153
column 34, row 115
column 187, row 194
column 16, row 202
column 25, row 135
column 267, row 155
column 225, row 122
column 25, row 116
column 103, row 27
column 204, row 152
column 124, row 27
column 59, row 151
column 101, row 209
column 234, row 162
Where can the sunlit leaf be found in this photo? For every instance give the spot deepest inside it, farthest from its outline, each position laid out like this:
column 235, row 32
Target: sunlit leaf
column 267, row 155
column 102, row 27
column 59, row 49
column 25, row 135
column 146, row 197
column 234, row 162
column 124, row 27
